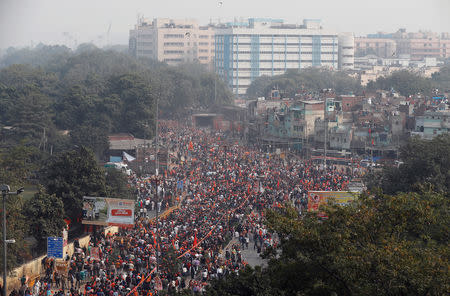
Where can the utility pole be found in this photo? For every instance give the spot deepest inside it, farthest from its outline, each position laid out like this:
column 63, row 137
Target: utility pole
column 325, row 144
column 5, row 193
column 215, row 88
column 158, row 208
column 157, row 135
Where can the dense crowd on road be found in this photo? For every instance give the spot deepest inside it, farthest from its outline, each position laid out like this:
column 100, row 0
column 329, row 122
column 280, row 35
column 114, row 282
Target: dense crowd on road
column 214, row 193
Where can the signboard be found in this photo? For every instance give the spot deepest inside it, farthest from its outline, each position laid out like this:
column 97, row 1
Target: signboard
column 120, row 212
column 108, row 211
column 62, row 266
column 158, row 284
column 65, row 237
column 55, row 247
column 319, row 198
column 95, row 253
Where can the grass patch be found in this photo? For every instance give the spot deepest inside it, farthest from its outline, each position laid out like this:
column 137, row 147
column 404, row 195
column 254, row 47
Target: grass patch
column 30, row 190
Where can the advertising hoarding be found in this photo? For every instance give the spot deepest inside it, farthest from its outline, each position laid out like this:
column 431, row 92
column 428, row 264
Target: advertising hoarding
column 318, row 198
column 108, row 211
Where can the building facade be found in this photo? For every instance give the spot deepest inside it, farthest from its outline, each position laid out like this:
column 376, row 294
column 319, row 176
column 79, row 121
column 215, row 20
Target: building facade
column 381, row 47
column 432, row 124
column 245, row 51
column 173, row 41
column 414, row 45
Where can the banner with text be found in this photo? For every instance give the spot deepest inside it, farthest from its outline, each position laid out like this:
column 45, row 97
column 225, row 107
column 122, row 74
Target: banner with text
column 108, row 211
column 319, row 198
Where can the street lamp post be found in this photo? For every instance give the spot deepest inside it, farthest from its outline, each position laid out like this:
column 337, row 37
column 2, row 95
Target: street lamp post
column 6, row 192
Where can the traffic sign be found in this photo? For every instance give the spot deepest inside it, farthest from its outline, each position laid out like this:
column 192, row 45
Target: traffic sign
column 55, row 247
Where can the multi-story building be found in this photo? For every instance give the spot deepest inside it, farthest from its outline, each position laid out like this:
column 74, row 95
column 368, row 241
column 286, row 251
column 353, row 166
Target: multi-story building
column 173, row 41
column 245, row 51
column 417, row 46
column 432, row 123
column 381, row 47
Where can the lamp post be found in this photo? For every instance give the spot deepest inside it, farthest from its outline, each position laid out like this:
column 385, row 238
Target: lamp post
column 6, row 192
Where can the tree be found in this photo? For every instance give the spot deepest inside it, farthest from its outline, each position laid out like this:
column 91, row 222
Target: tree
column 45, row 214
column 311, row 80
column 442, row 78
column 405, row 82
column 249, row 282
column 426, row 163
column 379, row 245
column 16, row 228
column 16, row 164
column 117, row 184
column 72, row 175
column 92, row 137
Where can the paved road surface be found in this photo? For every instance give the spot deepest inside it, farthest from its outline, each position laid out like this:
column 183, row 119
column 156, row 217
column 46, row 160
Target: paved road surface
column 249, row 255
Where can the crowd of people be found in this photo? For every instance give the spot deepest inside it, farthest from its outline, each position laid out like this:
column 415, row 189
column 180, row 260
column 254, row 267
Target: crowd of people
column 217, row 192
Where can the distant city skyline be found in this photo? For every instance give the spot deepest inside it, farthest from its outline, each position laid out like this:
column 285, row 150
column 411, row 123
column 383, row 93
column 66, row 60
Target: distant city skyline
column 29, row 22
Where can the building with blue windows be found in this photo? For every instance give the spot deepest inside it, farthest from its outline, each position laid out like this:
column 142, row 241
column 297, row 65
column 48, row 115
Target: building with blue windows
column 245, row 51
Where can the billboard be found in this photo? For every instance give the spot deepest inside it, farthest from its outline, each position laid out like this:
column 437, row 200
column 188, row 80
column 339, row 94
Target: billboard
column 318, row 198
column 108, row 211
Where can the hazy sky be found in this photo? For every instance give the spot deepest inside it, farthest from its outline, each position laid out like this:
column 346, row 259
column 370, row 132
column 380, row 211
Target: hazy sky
column 28, row 22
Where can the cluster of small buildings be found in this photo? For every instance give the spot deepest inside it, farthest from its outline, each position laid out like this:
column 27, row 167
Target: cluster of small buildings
column 380, row 54
column 339, row 126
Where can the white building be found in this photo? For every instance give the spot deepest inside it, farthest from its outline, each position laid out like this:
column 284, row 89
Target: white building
column 173, row 41
column 245, row 51
column 346, row 51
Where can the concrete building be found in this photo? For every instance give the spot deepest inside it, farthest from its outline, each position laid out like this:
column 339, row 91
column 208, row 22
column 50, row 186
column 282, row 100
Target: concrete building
column 380, row 47
column 432, row 123
column 245, row 51
column 416, row 45
column 346, row 51
column 173, row 41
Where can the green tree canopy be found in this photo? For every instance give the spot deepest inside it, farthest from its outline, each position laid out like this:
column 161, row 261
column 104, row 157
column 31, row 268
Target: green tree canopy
column 72, row 175
column 45, row 214
column 117, row 184
column 426, row 163
column 442, row 78
column 305, row 80
column 405, row 82
column 380, row 245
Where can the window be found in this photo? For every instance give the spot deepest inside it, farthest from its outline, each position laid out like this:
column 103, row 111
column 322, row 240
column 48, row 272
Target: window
column 173, row 36
column 173, row 60
column 145, row 51
column 145, row 43
column 173, row 52
column 174, row 44
column 203, row 43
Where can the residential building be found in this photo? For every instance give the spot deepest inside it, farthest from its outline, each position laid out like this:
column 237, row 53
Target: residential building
column 433, row 123
column 245, row 51
column 173, row 41
column 415, row 45
column 346, row 51
column 380, row 47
